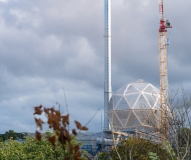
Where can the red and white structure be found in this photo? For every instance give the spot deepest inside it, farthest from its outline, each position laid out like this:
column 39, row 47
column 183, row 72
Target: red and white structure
column 164, row 24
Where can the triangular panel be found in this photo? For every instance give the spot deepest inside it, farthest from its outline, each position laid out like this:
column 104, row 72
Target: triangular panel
column 122, row 104
column 121, row 91
column 132, row 121
column 141, row 103
column 131, row 99
column 150, row 100
column 140, row 86
column 155, row 96
column 116, row 100
column 123, row 116
column 156, row 113
column 116, row 122
column 149, row 89
column 151, row 120
column 155, row 90
column 131, row 89
column 142, row 115
column 157, row 105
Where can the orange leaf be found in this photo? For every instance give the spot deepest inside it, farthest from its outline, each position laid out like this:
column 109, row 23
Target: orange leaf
column 57, row 113
column 78, row 124
column 83, row 128
column 39, row 123
column 65, row 120
column 80, row 127
column 77, row 156
column 46, row 110
column 52, row 140
column 38, row 136
column 38, row 110
column 74, row 132
column 52, row 109
column 62, row 139
column 76, row 148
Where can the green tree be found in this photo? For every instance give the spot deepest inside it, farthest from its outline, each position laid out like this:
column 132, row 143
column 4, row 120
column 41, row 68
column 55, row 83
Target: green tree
column 11, row 134
column 179, row 126
column 139, row 149
column 33, row 149
column 1, row 138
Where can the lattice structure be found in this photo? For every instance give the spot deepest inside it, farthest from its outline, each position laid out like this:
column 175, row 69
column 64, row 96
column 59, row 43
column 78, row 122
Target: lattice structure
column 164, row 25
column 135, row 106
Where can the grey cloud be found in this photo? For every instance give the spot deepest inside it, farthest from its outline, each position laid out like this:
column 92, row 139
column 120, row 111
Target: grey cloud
column 47, row 46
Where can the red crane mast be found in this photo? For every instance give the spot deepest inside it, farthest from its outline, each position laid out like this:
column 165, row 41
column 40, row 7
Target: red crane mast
column 164, row 24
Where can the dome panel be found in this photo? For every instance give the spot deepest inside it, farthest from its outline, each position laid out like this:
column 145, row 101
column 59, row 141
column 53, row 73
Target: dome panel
column 132, row 121
column 155, row 96
column 141, row 103
column 131, row 99
column 123, row 116
column 150, row 100
column 140, row 86
column 149, row 89
column 131, row 89
column 116, row 121
column 151, row 120
column 121, row 91
column 142, row 115
column 122, row 104
column 116, row 99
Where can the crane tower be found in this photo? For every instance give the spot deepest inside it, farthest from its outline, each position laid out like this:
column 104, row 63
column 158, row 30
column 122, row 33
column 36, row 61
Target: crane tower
column 164, row 24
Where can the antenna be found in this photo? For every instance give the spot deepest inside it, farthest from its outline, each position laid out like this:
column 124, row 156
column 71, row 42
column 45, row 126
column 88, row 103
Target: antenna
column 65, row 101
column 101, row 121
column 92, row 117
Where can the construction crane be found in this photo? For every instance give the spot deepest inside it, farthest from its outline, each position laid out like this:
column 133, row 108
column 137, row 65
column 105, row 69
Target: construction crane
column 164, row 25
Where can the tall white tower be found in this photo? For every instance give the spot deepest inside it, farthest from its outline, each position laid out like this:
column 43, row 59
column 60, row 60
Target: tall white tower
column 107, row 79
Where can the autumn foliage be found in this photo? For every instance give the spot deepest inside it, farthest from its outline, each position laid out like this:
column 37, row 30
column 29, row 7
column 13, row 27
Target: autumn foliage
column 59, row 123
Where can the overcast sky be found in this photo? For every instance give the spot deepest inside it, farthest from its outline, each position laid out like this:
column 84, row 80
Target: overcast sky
column 48, row 45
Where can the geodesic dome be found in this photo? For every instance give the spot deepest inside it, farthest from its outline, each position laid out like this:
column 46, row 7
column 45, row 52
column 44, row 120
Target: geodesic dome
column 134, row 106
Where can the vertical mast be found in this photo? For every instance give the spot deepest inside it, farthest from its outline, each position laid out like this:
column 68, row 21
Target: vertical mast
column 164, row 24
column 107, row 79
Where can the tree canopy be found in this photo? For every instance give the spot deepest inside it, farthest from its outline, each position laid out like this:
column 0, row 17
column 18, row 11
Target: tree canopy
column 139, row 149
column 10, row 134
column 33, row 149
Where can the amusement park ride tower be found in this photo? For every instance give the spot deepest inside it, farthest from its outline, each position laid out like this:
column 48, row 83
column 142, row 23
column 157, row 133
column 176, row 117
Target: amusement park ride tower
column 164, row 24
